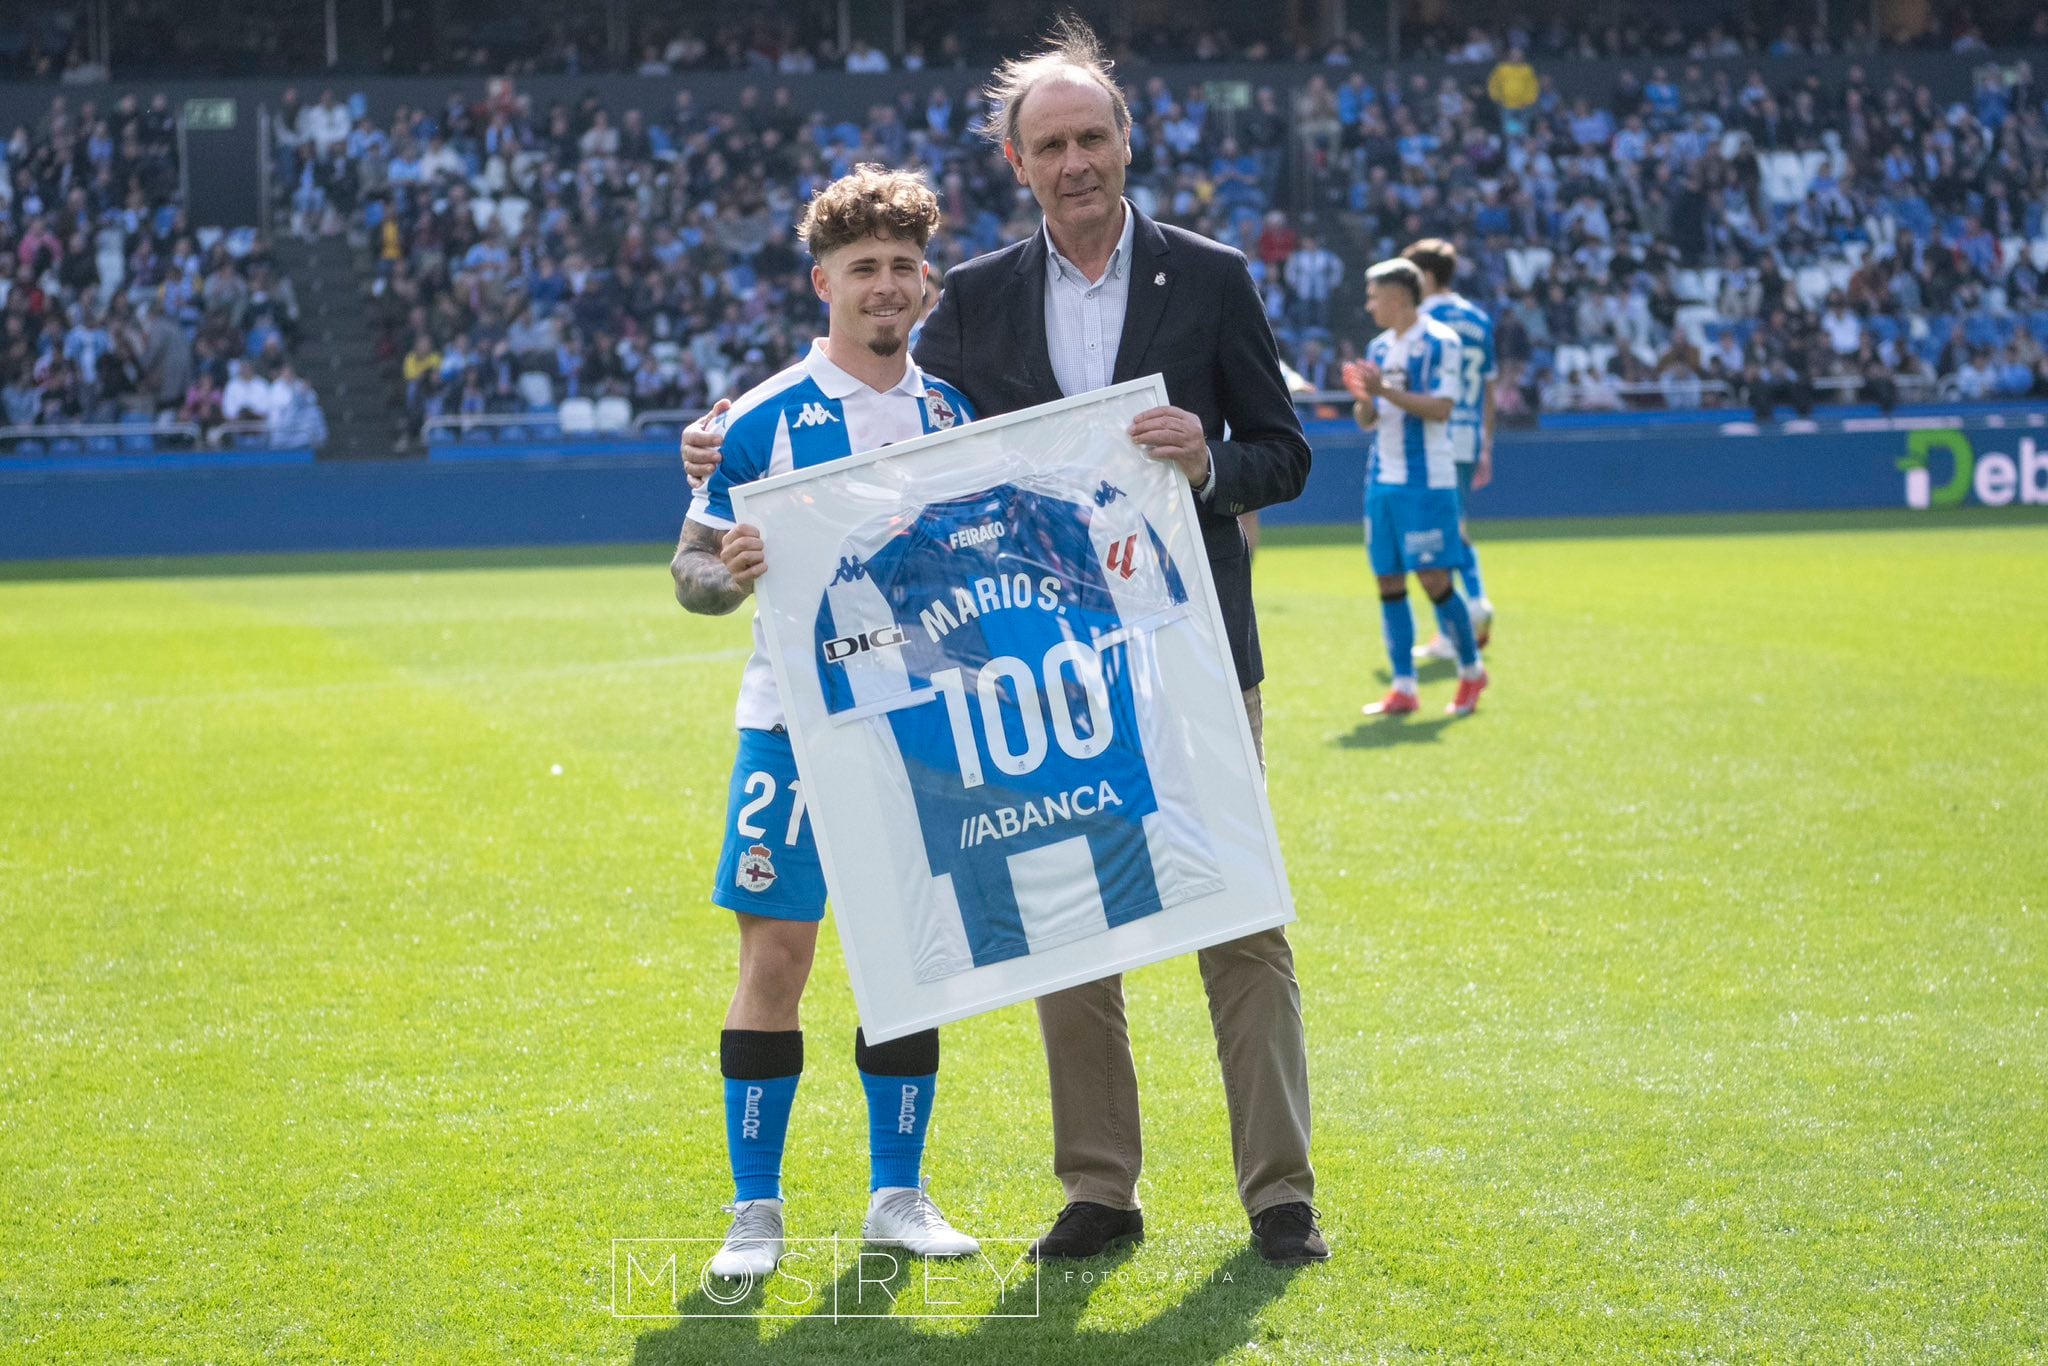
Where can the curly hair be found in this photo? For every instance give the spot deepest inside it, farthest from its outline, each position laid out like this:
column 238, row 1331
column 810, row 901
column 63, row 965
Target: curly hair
column 873, row 201
column 1075, row 53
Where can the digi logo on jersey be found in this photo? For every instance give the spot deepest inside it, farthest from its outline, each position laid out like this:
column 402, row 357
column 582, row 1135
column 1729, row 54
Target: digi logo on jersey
column 846, row 647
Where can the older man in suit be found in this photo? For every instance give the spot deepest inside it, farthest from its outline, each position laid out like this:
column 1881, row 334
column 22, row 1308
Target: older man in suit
column 1099, row 295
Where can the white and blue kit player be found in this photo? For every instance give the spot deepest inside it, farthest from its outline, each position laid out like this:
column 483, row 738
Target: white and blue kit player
column 1472, row 419
column 1407, row 389
column 856, row 390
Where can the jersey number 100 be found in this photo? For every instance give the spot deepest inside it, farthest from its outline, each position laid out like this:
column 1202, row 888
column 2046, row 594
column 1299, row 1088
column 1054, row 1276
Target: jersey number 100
column 951, row 686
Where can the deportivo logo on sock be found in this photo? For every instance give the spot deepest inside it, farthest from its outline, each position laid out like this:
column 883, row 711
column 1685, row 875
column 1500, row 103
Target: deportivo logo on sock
column 906, row 1118
column 750, row 1122
column 814, row 415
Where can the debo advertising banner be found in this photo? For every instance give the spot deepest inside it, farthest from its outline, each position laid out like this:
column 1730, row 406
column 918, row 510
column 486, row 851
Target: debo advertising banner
column 1945, row 468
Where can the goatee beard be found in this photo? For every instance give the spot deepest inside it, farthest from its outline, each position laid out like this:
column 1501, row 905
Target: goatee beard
column 886, row 347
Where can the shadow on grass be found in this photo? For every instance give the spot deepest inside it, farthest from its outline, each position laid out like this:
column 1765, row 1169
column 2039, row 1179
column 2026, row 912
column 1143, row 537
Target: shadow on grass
column 1384, row 732
column 1214, row 1318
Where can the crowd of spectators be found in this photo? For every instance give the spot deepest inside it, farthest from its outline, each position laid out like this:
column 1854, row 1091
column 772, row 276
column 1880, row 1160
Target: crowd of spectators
column 1696, row 237
column 528, row 256
column 1692, row 239
column 114, row 308
column 50, row 40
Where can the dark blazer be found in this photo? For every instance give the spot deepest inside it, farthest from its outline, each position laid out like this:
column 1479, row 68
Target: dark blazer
column 1203, row 329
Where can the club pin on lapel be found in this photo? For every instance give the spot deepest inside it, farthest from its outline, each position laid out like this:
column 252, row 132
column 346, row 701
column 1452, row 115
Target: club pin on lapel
column 1160, row 278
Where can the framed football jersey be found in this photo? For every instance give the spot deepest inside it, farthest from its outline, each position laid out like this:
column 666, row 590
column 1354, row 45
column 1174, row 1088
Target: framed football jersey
column 1023, row 750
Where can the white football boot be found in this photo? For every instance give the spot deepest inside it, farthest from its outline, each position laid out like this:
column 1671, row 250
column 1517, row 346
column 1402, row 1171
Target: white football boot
column 1436, row 647
column 753, row 1245
column 906, row 1217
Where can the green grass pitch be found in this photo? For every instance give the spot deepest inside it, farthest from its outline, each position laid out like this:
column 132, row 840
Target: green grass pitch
column 358, row 987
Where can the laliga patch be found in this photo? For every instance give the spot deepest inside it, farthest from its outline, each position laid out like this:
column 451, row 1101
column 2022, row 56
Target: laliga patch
column 757, row 868
column 941, row 412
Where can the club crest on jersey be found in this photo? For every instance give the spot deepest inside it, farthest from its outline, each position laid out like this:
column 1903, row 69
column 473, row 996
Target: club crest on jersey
column 941, row 412
column 757, row 868
column 1123, row 556
column 814, row 415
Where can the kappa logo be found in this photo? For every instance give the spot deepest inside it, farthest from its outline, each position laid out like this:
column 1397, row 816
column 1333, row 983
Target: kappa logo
column 1123, row 556
column 757, row 868
column 1107, row 494
column 846, row 647
column 941, row 412
column 850, row 570
column 814, row 415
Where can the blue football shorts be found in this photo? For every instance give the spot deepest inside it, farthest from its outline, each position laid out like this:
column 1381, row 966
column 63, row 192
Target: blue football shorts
column 769, row 865
column 1407, row 530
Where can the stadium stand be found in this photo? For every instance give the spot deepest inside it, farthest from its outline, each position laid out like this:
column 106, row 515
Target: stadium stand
column 120, row 321
column 1695, row 239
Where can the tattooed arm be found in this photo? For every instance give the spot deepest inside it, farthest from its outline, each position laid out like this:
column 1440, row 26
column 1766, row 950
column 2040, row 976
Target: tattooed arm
column 714, row 571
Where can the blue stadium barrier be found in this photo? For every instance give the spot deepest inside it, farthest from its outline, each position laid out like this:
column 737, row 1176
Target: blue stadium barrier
column 508, row 494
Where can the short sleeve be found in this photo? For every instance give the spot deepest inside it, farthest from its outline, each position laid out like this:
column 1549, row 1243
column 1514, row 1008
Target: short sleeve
column 743, row 459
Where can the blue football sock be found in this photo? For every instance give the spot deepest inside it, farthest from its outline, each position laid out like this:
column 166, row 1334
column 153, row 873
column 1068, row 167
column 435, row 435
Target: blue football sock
column 900, row 1078
column 1469, row 575
column 1399, row 625
column 1455, row 621
column 761, row 1069
column 899, row 1110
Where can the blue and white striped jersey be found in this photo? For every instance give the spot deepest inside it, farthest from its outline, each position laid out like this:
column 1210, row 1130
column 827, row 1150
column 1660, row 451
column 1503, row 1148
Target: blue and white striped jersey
column 1477, row 367
column 811, row 413
column 1406, row 451
column 1002, row 642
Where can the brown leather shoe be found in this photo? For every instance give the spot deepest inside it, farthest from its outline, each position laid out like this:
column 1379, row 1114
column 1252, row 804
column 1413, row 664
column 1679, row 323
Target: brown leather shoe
column 1086, row 1229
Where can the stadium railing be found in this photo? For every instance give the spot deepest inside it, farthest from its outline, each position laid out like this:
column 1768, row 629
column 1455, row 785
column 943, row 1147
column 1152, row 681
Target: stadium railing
column 102, row 437
column 522, row 426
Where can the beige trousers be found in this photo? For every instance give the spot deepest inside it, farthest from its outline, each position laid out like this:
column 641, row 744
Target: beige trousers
column 1255, row 1007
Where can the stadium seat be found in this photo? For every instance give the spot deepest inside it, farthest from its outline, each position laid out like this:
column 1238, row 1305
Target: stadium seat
column 483, row 212
column 614, row 414
column 1811, row 283
column 578, row 417
column 512, row 211
column 537, row 388
column 2037, row 253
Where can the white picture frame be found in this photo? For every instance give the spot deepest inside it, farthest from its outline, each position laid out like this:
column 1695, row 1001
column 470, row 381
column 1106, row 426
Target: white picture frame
column 856, row 804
